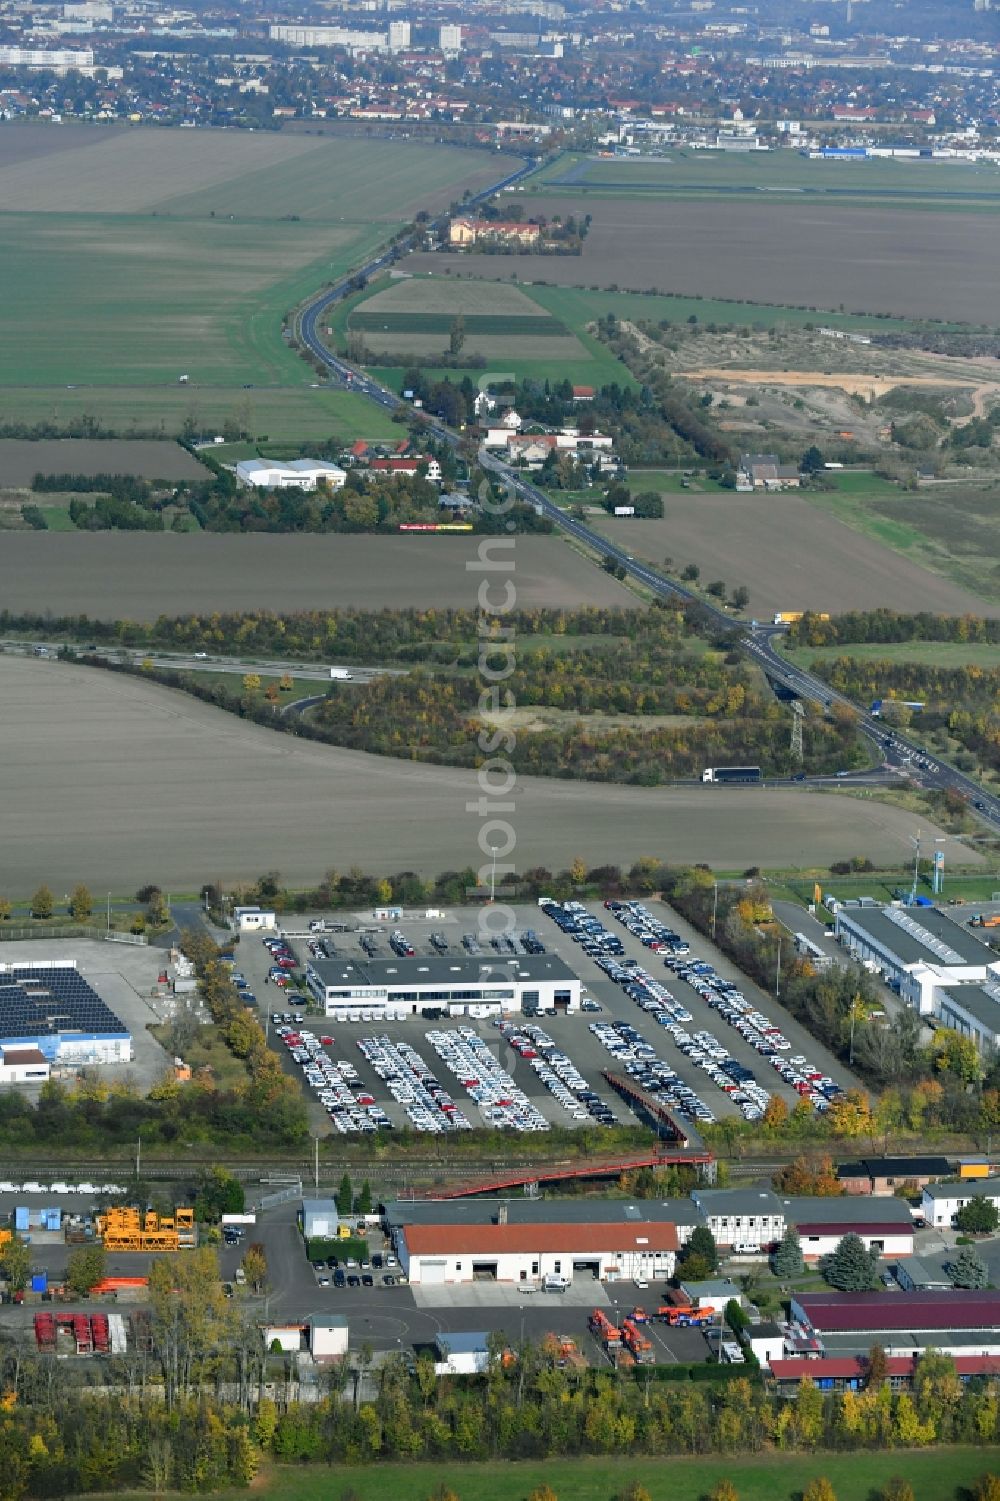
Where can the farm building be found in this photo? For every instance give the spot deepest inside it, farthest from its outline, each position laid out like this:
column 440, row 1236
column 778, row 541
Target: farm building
column 821, row 1237
column 942, row 1201
column 49, row 1008
column 411, row 987
column 297, row 474
column 523, row 1242
column 763, row 471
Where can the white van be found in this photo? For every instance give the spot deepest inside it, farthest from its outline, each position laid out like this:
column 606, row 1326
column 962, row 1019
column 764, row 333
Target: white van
column 553, row 1283
column 745, row 1248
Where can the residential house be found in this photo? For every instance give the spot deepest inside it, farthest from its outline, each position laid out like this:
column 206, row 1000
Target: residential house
column 763, row 471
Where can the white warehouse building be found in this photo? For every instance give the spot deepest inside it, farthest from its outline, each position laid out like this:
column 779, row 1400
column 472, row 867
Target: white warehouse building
column 918, row 951
column 297, row 474
column 525, row 1241
column 390, row 989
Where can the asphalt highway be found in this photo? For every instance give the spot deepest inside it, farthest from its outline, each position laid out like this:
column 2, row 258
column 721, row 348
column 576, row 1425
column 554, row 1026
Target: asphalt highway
column 899, row 755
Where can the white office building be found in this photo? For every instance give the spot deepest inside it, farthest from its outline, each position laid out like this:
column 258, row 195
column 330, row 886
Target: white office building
column 390, row 989
column 941, row 1202
column 450, row 38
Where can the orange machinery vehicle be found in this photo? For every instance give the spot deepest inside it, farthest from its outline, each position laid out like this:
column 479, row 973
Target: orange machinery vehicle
column 637, row 1342
column 684, row 1315
column 125, row 1229
column 604, row 1331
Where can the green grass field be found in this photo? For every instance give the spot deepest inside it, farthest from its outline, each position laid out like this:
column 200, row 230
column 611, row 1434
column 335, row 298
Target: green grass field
column 707, row 173
column 577, row 306
column 936, row 1475
column 933, row 653
column 113, row 307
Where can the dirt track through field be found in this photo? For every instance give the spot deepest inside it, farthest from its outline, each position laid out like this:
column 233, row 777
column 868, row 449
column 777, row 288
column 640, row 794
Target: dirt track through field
column 115, row 782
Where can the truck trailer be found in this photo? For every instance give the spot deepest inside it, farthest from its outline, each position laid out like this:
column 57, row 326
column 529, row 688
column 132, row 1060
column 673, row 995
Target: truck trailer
column 731, row 774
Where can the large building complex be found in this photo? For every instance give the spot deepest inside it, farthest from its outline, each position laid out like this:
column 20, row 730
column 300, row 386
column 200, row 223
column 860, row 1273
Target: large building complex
column 937, row 966
column 390, row 989
column 49, row 1009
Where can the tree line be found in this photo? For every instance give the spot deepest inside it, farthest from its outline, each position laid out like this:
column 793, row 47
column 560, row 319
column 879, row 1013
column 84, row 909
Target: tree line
column 883, row 626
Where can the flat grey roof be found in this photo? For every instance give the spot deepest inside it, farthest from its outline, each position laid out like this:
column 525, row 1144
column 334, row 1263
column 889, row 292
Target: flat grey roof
column 978, row 1003
column 969, row 1187
column 728, row 1201
column 440, row 970
column 907, row 946
column 542, row 1212
column 849, row 1210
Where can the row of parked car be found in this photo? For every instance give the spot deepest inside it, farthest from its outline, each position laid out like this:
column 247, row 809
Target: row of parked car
column 643, row 1064
column 650, row 931
column 557, row 1072
column 582, row 926
column 30, row 1186
column 429, row 1107
column 350, row 1109
column 502, row 1104
column 734, row 1078
column 284, row 961
column 758, row 1029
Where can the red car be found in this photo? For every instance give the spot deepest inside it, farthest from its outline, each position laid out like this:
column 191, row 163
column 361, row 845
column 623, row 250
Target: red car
column 327, row 1042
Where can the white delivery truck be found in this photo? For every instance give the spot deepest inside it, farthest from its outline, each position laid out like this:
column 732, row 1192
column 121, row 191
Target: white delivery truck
column 342, row 674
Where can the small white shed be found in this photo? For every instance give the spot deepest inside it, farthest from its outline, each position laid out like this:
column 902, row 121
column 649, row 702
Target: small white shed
column 319, row 1219
column 328, row 1337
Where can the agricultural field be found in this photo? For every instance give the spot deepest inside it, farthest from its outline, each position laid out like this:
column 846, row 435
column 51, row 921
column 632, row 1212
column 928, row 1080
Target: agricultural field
column 684, row 173
column 21, row 460
column 138, row 576
column 795, row 552
column 935, row 1474
column 877, row 258
column 174, row 810
column 142, row 255
column 953, row 530
column 506, row 325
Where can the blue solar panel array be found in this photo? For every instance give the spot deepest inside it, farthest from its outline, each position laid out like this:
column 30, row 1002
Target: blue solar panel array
column 45, row 1002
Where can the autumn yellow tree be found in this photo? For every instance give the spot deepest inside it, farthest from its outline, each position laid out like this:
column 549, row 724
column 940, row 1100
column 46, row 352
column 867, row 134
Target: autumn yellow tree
column 251, row 682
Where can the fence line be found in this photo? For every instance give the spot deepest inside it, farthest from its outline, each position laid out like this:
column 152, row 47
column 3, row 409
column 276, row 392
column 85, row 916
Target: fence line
column 17, row 935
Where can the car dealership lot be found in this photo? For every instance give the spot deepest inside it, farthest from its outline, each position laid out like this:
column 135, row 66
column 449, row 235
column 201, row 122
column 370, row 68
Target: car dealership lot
column 696, row 1046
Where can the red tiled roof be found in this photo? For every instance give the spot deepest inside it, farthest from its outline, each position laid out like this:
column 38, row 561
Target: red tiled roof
column 482, row 1240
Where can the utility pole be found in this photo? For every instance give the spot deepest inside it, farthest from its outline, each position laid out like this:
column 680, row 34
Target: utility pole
column 109, row 911
column 138, row 1156
column 777, row 972
column 715, row 905
column 316, row 1165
